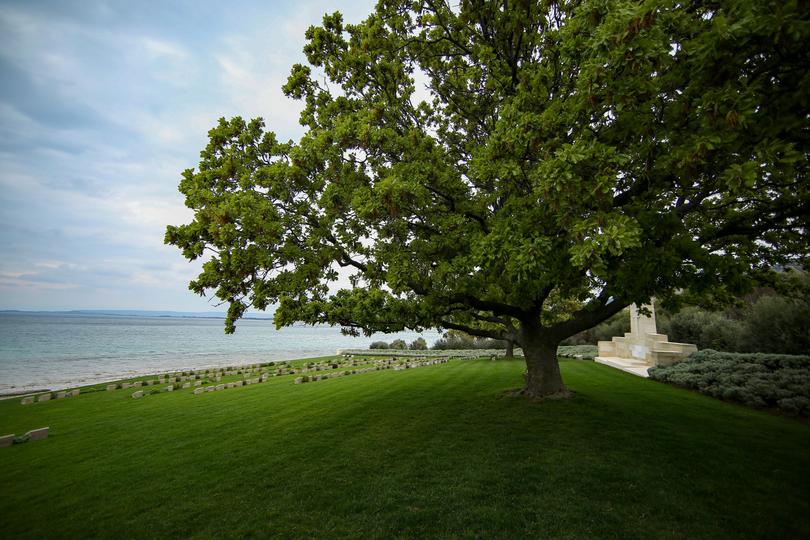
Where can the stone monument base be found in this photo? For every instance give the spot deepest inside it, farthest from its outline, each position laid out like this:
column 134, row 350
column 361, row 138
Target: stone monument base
column 636, row 367
column 642, row 348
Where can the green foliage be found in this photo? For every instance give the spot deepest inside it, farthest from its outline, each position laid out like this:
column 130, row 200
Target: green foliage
column 756, row 380
column 706, row 329
column 378, row 345
column 461, row 341
column 419, row 344
column 769, row 323
column 774, row 319
column 778, row 324
column 398, row 344
column 571, row 158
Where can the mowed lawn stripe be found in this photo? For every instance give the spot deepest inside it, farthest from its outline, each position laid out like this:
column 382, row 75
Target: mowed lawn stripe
column 436, row 451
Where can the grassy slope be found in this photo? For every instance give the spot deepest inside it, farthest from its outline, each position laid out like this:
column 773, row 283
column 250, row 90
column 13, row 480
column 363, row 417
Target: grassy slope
column 432, row 451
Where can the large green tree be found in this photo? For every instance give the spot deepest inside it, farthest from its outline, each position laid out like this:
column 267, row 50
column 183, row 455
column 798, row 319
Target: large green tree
column 572, row 157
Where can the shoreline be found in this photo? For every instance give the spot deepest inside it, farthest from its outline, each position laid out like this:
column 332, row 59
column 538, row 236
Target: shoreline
column 57, row 351
column 34, row 389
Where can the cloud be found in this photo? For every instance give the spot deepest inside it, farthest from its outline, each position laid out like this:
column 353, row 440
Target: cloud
column 102, row 105
column 256, row 91
column 160, row 48
column 24, row 283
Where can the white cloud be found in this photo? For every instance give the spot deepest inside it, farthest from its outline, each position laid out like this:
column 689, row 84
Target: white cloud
column 30, row 280
column 254, row 88
column 105, row 118
column 162, row 48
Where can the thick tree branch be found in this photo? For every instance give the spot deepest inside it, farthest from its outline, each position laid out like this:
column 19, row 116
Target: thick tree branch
column 346, row 259
column 587, row 317
column 749, row 225
column 481, row 332
column 472, row 301
column 486, row 318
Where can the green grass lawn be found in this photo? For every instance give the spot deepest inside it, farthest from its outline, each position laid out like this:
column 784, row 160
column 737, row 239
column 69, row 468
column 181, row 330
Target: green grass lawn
column 429, row 452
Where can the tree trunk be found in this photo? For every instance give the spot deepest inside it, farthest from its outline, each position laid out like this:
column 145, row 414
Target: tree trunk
column 543, row 378
column 510, row 349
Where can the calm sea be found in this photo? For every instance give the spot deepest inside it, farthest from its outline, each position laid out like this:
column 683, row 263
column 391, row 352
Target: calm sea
column 41, row 350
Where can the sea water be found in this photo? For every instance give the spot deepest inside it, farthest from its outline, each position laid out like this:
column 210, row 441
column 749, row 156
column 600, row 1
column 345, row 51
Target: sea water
column 49, row 350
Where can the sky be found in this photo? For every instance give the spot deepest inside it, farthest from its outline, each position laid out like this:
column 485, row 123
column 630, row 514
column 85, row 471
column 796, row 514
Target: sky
column 102, row 105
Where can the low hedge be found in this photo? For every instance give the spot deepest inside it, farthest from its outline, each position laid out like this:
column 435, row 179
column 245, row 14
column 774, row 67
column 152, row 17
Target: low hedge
column 757, row 379
column 587, row 352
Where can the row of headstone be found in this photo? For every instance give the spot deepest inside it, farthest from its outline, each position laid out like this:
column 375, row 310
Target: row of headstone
column 170, row 388
column 195, row 377
column 190, row 376
column 217, row 373
column 33, row 435
column 186, row 381
column 225, row 386
column 61, row 394
column 378, row 366
column 236, row 384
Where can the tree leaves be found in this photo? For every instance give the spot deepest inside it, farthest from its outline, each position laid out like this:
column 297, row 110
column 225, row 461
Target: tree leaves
column 573, row 157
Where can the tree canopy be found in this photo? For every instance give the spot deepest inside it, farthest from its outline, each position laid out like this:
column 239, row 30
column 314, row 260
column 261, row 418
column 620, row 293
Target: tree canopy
column 518, row 170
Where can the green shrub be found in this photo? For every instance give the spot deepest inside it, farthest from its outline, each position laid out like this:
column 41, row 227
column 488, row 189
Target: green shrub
column 460, row 341
column 796, row 405
column 578, row 351
column 378, row 345
column 757, row 380
column 419, row 344
column 706, row 329
column 777, row 324
column 721, row 334
column 398, row 344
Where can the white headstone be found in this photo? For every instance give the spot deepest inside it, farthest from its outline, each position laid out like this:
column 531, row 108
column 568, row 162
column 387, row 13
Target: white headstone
column 37, row 434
